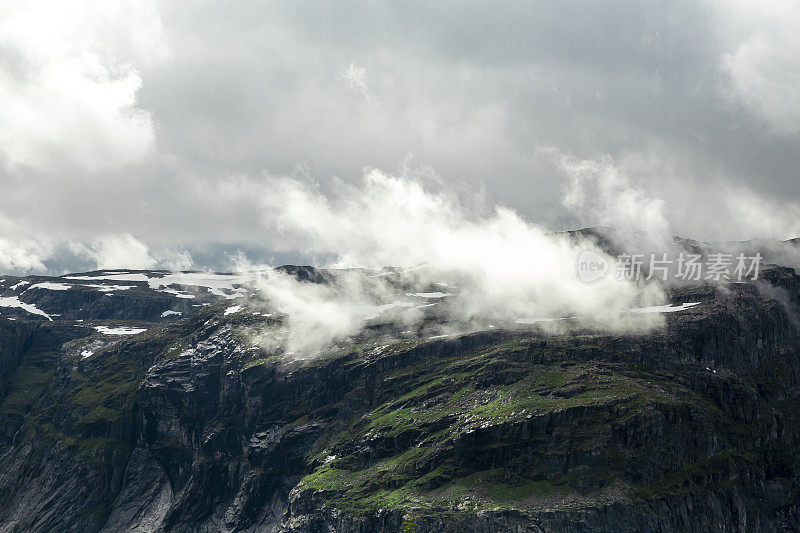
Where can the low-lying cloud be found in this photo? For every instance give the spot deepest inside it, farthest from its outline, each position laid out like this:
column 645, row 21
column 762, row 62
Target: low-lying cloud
column 502, row 267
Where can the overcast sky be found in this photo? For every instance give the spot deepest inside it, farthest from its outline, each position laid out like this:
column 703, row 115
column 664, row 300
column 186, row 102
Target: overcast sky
column 149, row 133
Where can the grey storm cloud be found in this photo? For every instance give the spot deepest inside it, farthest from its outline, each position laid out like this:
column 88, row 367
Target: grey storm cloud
column 128, row 127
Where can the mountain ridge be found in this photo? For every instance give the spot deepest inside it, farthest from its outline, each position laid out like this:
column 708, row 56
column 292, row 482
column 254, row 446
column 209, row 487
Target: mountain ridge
column 191, row 426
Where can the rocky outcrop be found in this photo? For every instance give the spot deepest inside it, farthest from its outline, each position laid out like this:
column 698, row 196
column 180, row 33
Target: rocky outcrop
column 15, row 338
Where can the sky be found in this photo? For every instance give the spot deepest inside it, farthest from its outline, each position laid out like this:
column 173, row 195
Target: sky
column 147, row 134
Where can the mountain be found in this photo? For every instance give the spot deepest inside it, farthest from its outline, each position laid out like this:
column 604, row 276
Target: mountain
column 145, row 401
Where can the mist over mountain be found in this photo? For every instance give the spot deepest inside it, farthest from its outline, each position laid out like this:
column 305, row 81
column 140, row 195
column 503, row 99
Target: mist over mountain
column 377, row 267
column 308, row 399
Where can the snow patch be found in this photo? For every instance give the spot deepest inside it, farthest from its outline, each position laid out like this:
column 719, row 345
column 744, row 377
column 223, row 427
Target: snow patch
column 87, row 353
column 233, row 309
column 112, row 277
column 20, row 284
column 177, row 293
column 237, row 292
column 13, row 301
column 108, row 288
column 50, row 286
column 534, row 320
column 429, row 294
column 170, row 312
column 217, row 282
column 122, row 330
column 669, row 308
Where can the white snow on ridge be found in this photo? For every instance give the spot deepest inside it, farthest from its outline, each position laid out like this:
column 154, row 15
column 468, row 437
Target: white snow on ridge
column 535, row 320
column 237, row 293
column 122, row 330
column 215, row 283
column 13, row 301
column 108, row 288
column 429, row 294
column 112, row 277
column 170, row 312
column 669, row 308
column 50, row 286
column 200, row 279
column 20, row 284
column 233, row 309
column 177, row 293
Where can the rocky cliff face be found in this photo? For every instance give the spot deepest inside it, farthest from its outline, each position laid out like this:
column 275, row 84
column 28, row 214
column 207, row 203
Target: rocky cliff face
column 192, row 426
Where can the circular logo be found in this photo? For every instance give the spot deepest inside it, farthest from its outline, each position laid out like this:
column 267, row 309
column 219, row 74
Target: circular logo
column 591, row 266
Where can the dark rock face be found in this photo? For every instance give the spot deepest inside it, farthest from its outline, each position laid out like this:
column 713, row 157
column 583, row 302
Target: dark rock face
column 15, row 339
column 191, row 427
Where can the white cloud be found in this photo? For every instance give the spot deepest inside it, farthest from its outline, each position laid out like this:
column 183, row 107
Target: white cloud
column 19, row 252
column 117, row 251
column 764, row 63
column 601, row 194
column 83, row 85
column 69, row 79
column 174, row 260
column 126, row 251
column 505, row 267
column 758, row 216
column 318, row 314
column 24, row 256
